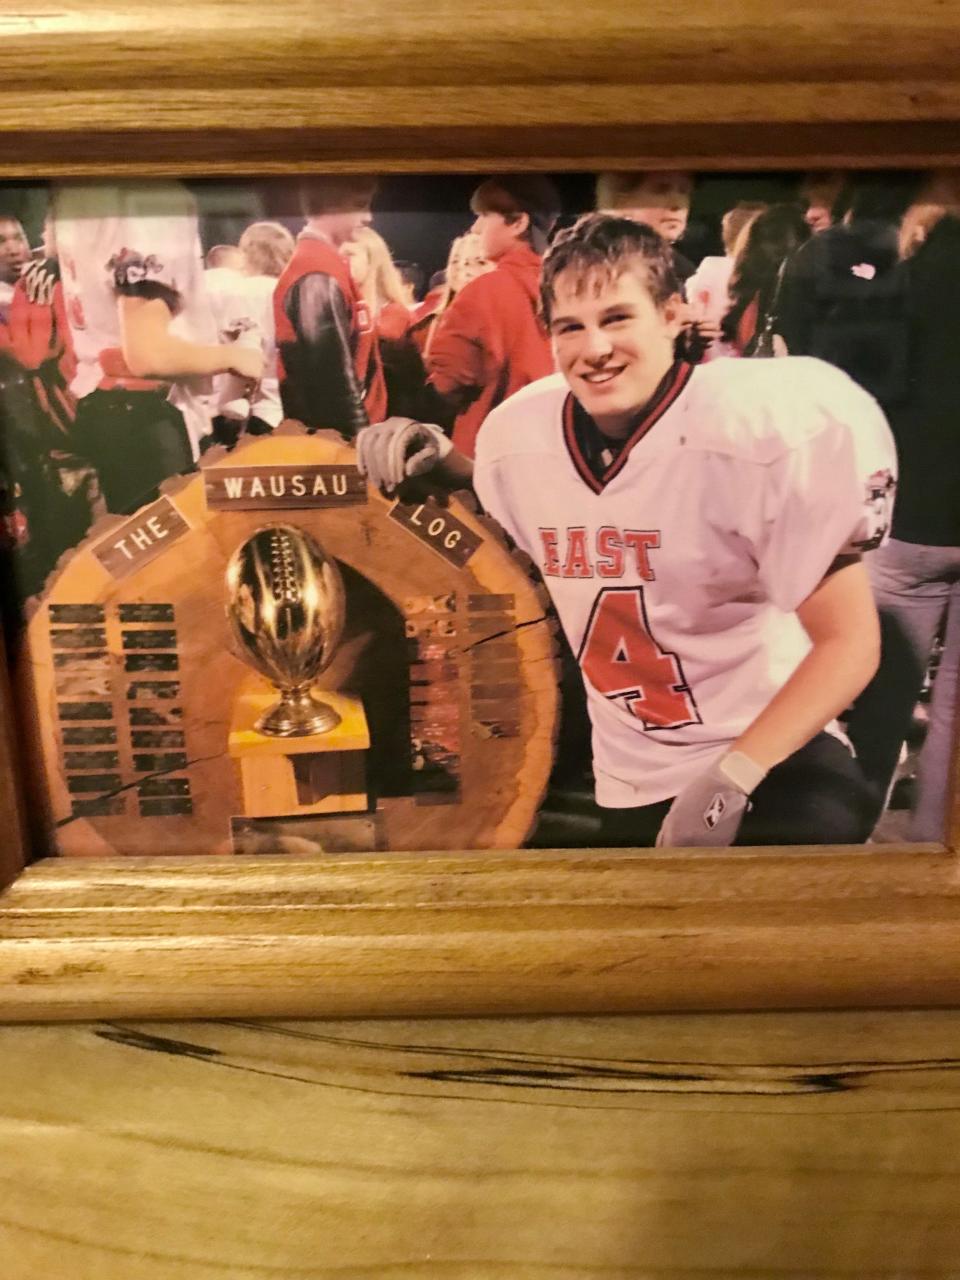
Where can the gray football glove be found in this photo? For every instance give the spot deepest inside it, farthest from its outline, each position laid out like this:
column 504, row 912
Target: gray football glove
column 709, row 810
column 391, row 451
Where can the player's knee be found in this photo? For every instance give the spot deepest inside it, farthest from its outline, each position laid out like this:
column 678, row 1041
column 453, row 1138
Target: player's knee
column 839, row 811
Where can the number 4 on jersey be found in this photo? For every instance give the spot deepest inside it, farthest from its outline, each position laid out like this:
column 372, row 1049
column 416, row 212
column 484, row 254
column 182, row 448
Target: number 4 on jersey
column 622, row 661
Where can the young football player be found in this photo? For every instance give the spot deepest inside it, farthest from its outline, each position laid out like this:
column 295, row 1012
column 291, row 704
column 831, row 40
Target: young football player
column 700, row 531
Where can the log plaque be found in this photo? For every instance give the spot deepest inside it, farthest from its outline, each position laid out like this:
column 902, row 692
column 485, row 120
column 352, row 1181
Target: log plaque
column 135, row 683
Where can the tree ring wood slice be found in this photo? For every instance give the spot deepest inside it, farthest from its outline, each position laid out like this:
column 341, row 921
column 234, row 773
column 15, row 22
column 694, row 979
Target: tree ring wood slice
column 448, row 643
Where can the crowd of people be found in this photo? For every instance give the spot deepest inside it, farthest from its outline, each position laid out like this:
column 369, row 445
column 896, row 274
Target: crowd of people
column 125, row 353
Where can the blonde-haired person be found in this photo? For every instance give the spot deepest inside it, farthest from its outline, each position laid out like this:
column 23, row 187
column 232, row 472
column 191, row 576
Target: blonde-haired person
column 267, row 248
column 465, row 263
column 242, row 301
column 378, row 282
column 382, row 292
column 708, row 293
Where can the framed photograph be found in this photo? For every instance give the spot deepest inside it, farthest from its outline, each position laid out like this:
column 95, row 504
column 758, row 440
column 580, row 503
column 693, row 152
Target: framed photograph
column 477, row 550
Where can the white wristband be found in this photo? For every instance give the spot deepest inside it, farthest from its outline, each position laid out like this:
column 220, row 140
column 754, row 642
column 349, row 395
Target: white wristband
column 743, row 772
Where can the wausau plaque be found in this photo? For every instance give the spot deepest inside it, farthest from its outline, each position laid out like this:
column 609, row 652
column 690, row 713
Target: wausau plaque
column 276, row 487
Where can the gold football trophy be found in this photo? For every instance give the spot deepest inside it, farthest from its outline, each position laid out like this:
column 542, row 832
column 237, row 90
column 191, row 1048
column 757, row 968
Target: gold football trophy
column 286, row 610
column 286, row 604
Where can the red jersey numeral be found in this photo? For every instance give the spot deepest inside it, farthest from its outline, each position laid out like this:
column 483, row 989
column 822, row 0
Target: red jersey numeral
column 623, row 661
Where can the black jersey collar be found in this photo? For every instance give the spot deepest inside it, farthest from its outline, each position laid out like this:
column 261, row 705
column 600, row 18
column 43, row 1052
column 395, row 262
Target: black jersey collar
column 584, row 438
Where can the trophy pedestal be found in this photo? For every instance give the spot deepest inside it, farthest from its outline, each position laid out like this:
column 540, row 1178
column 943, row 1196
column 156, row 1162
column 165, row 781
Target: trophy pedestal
column 290, row 777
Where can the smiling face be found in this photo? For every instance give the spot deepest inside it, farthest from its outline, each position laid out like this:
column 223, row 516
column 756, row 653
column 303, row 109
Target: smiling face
column 14, row 250
column 466, row 261
column 472, row 261
column 612, row 342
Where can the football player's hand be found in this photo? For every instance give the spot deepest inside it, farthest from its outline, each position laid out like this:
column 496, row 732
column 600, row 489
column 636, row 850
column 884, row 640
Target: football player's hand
column 247, row 362
column 708, row 811
column 391, row 451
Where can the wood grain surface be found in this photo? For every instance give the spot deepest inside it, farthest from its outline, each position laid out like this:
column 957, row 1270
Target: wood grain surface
column 601, row 931
column 240, row 86
column 766, row 1147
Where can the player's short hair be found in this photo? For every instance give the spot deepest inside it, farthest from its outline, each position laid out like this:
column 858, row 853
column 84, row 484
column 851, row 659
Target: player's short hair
column 601, row 246
column 336, row 193
column 267, row 247
column 513, row 194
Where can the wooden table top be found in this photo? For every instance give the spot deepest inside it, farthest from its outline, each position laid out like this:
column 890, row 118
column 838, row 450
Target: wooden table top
column 800, row 1145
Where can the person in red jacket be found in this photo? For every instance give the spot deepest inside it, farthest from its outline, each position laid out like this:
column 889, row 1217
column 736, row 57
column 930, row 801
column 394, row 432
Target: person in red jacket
column 491, row 341
column 328, row 359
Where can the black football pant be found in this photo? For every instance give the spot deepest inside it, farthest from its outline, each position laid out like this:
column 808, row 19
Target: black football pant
column 136, row 440
column 816, row 796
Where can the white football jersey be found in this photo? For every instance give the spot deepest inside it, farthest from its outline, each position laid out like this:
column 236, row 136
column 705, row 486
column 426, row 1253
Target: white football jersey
column 112, row 238
column 676, row 577
column 243, row 311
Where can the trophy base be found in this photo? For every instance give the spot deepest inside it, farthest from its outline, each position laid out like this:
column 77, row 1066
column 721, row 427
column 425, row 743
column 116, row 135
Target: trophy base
column 298, row 714
column 303, row 774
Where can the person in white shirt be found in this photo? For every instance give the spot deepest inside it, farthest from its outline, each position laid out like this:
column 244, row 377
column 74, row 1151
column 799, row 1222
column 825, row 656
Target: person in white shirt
column 700, row 531
column 241, row 296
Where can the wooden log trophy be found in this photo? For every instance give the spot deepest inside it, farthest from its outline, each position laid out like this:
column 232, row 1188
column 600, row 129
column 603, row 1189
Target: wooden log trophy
column 298, row 755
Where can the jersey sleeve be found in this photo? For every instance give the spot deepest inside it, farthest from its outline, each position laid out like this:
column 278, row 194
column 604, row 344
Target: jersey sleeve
column 831, row 493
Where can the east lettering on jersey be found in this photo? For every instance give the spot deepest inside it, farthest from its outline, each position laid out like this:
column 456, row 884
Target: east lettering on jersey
column 566, row 553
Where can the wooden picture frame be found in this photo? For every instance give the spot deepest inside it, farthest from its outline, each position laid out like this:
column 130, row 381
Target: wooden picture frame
column 246, row 89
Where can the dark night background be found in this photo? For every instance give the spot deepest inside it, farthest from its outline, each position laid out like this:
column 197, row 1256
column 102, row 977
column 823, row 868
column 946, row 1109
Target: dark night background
column 419, row 215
